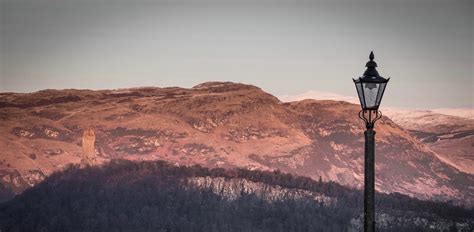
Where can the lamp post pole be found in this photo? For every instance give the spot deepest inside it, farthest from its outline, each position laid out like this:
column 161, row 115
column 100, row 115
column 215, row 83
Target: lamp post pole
column 369, row 180
column 370, row 117
column 370, row 89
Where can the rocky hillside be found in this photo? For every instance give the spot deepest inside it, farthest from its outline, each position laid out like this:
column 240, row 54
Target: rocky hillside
column 216, row 125
column 156, row 196
column 450, row 137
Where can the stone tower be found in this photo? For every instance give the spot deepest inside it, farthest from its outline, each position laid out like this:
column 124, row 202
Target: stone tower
column 88, row 147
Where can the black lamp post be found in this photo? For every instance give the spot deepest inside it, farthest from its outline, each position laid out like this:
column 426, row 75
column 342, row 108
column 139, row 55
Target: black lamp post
column 370, row 88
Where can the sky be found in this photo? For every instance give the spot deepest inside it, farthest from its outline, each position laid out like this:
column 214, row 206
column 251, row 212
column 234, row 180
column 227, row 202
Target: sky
column 285, row 47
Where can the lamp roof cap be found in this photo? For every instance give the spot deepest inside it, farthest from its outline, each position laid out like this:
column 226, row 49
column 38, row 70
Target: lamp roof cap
column 371, row 65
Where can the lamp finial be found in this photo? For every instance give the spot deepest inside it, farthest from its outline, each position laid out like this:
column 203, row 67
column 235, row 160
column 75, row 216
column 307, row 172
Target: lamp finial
column 371, row 71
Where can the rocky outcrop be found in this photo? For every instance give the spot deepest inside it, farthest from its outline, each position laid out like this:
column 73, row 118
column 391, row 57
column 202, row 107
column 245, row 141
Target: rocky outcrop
column 253, row 133
column 42, row 132
column 17, row 182
column 234, row 188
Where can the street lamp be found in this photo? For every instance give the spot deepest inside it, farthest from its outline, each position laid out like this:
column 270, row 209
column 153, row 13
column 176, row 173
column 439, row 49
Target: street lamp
column 370, row 88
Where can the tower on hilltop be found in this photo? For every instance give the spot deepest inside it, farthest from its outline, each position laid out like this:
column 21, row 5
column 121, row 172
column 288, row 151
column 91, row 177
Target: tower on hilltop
column 88, row 147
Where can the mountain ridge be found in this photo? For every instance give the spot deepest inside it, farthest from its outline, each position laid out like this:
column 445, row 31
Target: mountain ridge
column 217, row 124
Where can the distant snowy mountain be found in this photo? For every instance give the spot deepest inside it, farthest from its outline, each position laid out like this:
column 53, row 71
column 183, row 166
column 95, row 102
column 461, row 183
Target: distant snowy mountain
column 318, row 95
column 321, row 95
column 460, row 112
column 449, row 132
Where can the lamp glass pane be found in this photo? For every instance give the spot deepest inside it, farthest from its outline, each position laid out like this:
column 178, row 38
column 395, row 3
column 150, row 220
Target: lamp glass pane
column 371, row 91
column 380, row 93
column 360, row 93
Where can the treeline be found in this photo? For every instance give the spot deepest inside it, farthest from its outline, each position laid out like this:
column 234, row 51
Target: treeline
column 149, row 196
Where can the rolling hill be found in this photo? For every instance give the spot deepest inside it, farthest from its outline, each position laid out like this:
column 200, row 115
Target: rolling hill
column 216, row 124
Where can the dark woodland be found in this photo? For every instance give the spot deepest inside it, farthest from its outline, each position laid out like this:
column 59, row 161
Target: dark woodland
column 151, row 196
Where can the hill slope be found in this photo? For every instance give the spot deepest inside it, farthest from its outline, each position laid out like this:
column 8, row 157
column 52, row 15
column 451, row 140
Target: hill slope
column 217, row 125
column 451, row 137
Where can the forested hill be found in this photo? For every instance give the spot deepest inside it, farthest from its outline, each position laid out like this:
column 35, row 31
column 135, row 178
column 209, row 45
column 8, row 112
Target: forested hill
column 156, row 196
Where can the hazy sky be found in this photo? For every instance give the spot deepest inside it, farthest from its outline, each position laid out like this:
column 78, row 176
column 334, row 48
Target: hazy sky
column 284, row 47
